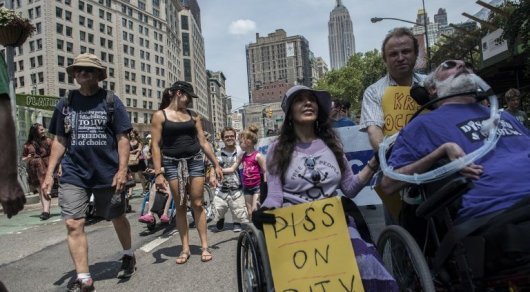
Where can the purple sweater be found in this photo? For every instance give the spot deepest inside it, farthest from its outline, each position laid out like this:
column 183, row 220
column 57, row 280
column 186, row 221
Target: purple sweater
column 313, row 174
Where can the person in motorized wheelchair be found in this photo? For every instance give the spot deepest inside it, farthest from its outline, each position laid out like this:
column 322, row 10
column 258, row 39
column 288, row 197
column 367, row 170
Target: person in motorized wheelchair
column 496, row 203
column 307, row 163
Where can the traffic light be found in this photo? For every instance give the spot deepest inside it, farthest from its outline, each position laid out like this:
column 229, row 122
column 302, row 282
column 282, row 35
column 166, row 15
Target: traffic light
column 270, row 113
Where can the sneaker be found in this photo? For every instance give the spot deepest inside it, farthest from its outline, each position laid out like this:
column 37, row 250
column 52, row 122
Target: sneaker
column 164, row 219
column 44, row 216
column 79, row 286
column 147, row 218
column 220, row 225
column 128, row 266
column 237, row 227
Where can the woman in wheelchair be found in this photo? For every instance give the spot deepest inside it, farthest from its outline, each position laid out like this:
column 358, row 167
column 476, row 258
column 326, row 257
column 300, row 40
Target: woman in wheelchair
column 307, row 163
column 500, row 186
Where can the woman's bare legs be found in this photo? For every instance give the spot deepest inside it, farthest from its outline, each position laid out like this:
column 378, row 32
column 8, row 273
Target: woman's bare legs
column 252, row 204
column 181, row 220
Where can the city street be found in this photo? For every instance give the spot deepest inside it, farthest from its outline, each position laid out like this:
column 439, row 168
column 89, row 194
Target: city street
column 35, row 256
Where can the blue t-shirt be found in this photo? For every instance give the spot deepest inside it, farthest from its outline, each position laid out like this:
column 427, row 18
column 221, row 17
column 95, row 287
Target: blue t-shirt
column 91, row 158
column 506, row 168
column 343, row 122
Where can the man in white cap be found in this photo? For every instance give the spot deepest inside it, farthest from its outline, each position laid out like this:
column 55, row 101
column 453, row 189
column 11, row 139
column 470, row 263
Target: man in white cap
column 90, row 127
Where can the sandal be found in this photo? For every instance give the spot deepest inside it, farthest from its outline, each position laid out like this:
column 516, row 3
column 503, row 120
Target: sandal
column 206, row 256
column 183, row 258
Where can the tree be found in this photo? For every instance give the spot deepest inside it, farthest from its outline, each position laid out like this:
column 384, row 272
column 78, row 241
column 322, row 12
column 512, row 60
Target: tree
column 463, row 44
column 349, row 82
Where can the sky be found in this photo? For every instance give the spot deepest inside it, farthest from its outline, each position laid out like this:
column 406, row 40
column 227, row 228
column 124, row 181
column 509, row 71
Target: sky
column 229, row 25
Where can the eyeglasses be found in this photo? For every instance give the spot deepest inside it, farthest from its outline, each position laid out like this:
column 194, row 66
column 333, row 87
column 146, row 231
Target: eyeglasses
column 85, row 69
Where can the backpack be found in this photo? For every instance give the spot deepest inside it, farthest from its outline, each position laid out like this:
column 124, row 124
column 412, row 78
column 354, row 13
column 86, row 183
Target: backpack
column 67, row 100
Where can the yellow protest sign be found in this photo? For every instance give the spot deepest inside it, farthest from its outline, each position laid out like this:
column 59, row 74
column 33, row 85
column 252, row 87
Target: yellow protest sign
column 309, row 248
column 398, row 108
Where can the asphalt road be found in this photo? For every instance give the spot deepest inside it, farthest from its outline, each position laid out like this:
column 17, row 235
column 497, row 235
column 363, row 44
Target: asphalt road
column 34, row 255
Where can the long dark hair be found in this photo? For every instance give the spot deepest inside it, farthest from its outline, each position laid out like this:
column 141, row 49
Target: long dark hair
column 35, row 139
column 281, row 157
column 166, row 98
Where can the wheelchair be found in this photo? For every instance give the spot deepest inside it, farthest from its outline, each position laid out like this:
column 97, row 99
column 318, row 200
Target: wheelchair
column 253, row 266
column 457, row 255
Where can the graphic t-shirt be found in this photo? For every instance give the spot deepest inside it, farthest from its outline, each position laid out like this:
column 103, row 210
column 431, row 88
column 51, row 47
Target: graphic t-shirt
column 91, row 158
column 230, row 180
column 505, row 178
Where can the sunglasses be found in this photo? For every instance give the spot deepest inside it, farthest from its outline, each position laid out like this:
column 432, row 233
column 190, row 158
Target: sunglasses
column 85, row 69
column 450, row 64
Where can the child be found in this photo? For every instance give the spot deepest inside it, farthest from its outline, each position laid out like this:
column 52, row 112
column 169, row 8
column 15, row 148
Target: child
column 253, row 168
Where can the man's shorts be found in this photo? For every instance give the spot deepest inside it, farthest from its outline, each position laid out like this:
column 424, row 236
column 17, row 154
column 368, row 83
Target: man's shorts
column 195, row 166
column 74, row 200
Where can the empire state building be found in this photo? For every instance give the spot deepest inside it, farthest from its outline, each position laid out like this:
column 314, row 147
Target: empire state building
column 341, row 39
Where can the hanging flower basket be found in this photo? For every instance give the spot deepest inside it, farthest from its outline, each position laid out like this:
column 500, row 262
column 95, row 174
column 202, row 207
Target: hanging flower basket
column 14, row 29
column 13, row 36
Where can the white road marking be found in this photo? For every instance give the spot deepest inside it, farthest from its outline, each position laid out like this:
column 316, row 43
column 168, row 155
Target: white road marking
column 148, row 247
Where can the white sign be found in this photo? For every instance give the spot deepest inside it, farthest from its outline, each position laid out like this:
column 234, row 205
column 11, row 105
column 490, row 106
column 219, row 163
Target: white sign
column 289, row 50
column 493, row 44
column 358, row 151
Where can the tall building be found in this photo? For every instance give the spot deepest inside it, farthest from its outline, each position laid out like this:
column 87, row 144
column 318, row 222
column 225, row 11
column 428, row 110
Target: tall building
column 277, row 58
column 341, row 38
column 140, row 42
column 441, row 17
column 194, row 61
column 320, row 68
column 220, row 103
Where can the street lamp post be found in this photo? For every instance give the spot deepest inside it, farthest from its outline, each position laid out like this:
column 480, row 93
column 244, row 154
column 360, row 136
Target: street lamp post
column 424, row 24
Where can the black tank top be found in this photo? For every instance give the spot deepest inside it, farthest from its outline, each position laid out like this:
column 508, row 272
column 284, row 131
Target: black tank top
column 179, row 139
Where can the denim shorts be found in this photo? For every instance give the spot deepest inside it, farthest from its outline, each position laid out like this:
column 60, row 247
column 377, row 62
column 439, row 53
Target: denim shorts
column 195, row 166
column 250, row 191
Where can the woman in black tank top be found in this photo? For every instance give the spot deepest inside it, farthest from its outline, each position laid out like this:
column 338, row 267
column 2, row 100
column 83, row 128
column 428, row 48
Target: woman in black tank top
column 177, row 145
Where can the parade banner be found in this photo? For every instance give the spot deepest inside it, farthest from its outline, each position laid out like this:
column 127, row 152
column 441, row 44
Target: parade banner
column 398, row 108
column 358, row 151
column 309, row 248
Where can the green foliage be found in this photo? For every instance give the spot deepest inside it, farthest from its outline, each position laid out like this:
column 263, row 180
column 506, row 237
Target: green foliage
column 349, row 82
column 515, row 22
column 461, row 45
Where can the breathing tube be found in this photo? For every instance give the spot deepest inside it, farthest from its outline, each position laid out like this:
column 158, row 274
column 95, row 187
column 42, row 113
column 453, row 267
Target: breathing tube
column 489, row 128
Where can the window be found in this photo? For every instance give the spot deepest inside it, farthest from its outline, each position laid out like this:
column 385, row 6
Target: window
column 82, row 20
column 90, row 23
column 184, row 22
column 81, row 5
column 134, row 102
column 58, row 12
column 68, row 15
column 82, row 49
column 101, row 27
column 41, row 77
column 111, row 72
column 39, row 44
column 59, row 28
column 82, row 35
column 110, row 44
column 109, row 16
column 39, row 61
column 38, row 26
column 101, row 14
column 60, row 44
column 89, row 8
column 37, row 12
column 69, row 61
column 21, row 81
column 128, row 102
column 61, row 77
column 111, row 58
column 90, row 38
column 104, row 56
column 109, row 30
column 60, row 61
column 32, row 62
column 69, row 47
column 68, row 31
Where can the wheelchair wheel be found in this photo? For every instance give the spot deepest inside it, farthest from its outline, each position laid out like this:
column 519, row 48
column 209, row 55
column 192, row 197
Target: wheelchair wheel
column 404, row 260
column 250, row 275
